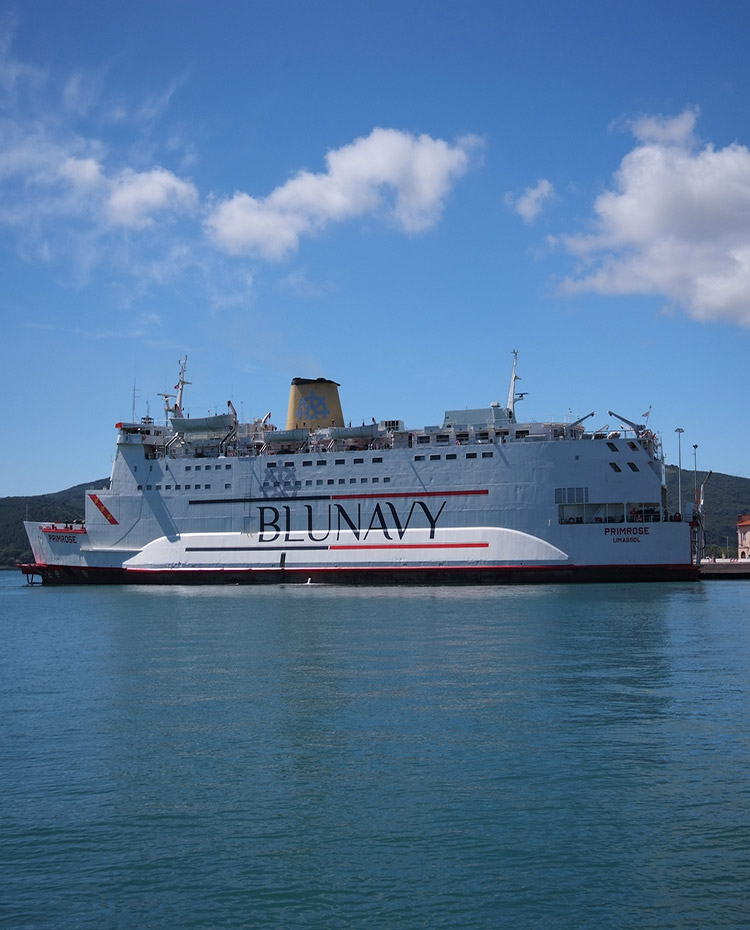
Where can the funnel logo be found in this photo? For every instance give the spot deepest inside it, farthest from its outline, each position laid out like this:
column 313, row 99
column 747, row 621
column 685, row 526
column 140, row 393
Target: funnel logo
column 312, row 407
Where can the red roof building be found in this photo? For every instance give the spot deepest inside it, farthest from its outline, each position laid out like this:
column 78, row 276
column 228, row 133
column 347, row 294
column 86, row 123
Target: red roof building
column 743, row 536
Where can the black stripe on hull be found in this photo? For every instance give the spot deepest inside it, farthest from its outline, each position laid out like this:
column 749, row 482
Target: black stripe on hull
column 439, row 575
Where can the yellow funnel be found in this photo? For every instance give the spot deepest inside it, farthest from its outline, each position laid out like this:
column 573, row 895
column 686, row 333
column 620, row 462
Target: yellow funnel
column 314, row 403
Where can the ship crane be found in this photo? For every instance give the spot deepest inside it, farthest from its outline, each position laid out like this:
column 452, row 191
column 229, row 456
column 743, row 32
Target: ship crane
column 167, row 407
column 580, row 420
column 637, row 427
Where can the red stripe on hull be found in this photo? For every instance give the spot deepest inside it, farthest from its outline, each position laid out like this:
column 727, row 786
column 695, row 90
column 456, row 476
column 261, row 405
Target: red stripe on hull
column 468, row 545
column 384, row 495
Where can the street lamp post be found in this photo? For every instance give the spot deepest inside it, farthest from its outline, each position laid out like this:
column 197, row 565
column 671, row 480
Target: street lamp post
column 679, row 432
column 695, row 475
column 697, row 515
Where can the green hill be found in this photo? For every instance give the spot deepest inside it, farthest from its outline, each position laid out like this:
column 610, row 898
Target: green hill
column 725, row 498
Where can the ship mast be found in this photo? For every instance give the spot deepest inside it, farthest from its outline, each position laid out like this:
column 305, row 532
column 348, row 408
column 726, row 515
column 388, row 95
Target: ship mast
column 512, row 395
column 176, row 409
column 513, row 379
column 179, row 387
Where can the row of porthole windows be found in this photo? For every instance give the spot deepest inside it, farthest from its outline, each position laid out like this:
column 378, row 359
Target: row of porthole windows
column 452, row 455
column 309, row 483
column 181, row 487
column 306, row 463
column 207, row 467
column 197, row 467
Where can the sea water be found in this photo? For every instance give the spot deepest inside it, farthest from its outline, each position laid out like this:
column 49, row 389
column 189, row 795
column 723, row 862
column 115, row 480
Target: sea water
column 314, row 757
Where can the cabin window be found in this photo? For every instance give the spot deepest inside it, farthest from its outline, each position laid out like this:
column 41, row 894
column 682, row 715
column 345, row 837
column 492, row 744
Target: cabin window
column 487, row 455
column 434, row 458
column 614, row 466
column 227, row 487
column 308, row 462
column 450, row 455
column 632, row 446
column 378, row 458
column 167, row 487
column 375, row 480
column 268, row 465
column 571, row 495
column 321, row 462
column 227, row 467
column 197, row 468
column 419, row 458
column 288, row 464
column 612, row 446
column 139, row 487
column 340, row 462
column 319, row 481
column 641, row 512
column 178, row 487
column 471, row 455
column 632, row 466
column 386, row 480
column 331, row 481
column 188, row 468
column 187, row 487
column 359, row 461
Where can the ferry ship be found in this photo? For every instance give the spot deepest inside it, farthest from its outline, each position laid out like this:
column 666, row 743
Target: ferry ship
column 480, row 499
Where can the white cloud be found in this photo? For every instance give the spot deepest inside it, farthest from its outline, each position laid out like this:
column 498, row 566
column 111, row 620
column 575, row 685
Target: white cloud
column 135, row 196
column 69, row 188
column 529, row 205
column 676, row 223
column 405, row 177
column 82, row 172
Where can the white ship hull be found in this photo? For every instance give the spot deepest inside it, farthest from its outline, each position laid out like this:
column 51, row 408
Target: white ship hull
column 496, row 502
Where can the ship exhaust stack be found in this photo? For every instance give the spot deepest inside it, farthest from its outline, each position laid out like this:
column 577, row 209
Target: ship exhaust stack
column 313, row 404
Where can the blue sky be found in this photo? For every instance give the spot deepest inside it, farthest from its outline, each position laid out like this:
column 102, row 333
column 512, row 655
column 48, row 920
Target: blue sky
column 394, row 195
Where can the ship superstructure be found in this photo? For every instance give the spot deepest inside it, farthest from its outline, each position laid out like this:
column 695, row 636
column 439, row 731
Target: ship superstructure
column 481, row 498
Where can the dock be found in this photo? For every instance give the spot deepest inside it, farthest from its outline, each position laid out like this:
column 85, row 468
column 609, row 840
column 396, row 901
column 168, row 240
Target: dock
column 725, row 569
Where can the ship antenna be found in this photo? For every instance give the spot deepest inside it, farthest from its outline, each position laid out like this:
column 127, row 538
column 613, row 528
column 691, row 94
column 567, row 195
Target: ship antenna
column 135, row 393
